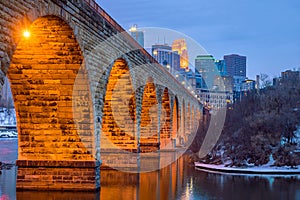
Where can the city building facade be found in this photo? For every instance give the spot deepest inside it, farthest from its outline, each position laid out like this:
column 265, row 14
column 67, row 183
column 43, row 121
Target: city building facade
column 221, row 67
column 166, row 57
column 137, row 35
column 235, row 65
column 205, row 64
column 180, row 46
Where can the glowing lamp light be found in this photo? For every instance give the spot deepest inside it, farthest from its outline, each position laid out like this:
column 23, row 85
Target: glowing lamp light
column 26, row 34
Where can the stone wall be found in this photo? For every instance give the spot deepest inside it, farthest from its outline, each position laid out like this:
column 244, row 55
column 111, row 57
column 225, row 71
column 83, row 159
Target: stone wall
column 58, row 175
column 60, row 78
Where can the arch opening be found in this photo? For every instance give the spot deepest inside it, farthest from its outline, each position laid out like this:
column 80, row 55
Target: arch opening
column 42, row 75
column 188, row 121
column 165, row 120
column 149, row 119
column 183, row 125
column 119, row 112
column 176, row 119
column 194, row 126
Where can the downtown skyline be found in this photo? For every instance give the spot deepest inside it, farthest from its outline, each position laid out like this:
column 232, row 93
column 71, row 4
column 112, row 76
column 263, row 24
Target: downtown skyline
column 268, row 32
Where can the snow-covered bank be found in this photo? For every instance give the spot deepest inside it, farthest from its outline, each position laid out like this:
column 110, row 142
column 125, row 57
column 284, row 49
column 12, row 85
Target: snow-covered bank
column 249, row 170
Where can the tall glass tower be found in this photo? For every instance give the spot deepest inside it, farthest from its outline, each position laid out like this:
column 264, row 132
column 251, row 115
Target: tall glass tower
column 180, row 47
column 236, row 65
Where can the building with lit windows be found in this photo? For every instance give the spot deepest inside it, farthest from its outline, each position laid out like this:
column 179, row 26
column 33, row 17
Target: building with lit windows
column 137, row 35
column 214, row 99
column 166, row 57
column 223, row 83
column 235, row 65
column 180, row 46
column 287, row 76
column 221, row 67
column 205, row 64
column 248, row 85
column 199, row 80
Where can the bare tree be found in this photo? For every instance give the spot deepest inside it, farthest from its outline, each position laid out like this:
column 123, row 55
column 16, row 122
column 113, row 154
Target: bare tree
column 265, row 81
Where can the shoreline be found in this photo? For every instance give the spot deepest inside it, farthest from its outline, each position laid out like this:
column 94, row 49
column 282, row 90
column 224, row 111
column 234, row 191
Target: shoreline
column 267, row 170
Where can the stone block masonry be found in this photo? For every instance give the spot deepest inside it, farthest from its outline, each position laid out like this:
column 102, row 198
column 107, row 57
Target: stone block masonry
column 63, row 78
column 58, row 175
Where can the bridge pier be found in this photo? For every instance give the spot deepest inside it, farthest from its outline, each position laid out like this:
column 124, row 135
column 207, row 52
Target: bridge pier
column 58, row 175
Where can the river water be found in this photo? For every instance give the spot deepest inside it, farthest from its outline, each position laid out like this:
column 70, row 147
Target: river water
column 177, row 181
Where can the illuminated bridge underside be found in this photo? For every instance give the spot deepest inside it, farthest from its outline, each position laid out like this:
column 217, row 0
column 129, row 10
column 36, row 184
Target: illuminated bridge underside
column 80, row 89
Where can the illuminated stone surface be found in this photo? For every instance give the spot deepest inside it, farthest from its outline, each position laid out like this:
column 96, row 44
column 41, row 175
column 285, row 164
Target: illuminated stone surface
column 74, row 78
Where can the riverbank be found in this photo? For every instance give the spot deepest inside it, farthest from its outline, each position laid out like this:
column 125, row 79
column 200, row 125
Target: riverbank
column 285, row 170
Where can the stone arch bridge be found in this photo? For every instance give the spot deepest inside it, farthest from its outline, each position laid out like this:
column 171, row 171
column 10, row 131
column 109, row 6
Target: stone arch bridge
column 83, row 88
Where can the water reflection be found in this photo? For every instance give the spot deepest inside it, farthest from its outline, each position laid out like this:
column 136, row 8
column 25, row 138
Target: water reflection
column 28, row 195
column 160, row 184
column 178, row 181
column 224, row 186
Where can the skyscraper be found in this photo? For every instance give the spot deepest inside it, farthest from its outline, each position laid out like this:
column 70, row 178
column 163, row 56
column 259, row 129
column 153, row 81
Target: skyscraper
column 137, row 35
column 166, row 57
column 235, row 65
column 221, row 67
column 180, row 47
column 205, row 64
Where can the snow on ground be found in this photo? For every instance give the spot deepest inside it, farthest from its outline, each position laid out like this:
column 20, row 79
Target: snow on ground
column 265, row 169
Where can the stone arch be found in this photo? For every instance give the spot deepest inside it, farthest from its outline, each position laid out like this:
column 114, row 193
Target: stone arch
column 149, row 119
column 165, row 131
column 183, row 123
column 176, row 119
column 42, row 73
column 194, row 123
column 24, row 16
column 119, row 111
column 199, row 113
column 188, row 119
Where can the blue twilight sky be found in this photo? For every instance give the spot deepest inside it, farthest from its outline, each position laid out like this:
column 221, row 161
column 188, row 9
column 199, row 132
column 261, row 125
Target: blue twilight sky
column 266, row 31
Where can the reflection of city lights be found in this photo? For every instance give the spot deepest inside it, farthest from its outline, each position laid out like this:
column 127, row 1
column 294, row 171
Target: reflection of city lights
column 26, row 34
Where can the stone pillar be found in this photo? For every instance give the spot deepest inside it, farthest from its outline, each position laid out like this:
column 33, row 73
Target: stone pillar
column 58, row 175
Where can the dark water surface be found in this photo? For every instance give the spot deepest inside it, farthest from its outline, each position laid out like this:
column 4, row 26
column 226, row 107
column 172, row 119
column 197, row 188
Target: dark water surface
column 177, row 181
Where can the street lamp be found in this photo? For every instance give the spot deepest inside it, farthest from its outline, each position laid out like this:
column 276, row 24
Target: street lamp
column 26, row 34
